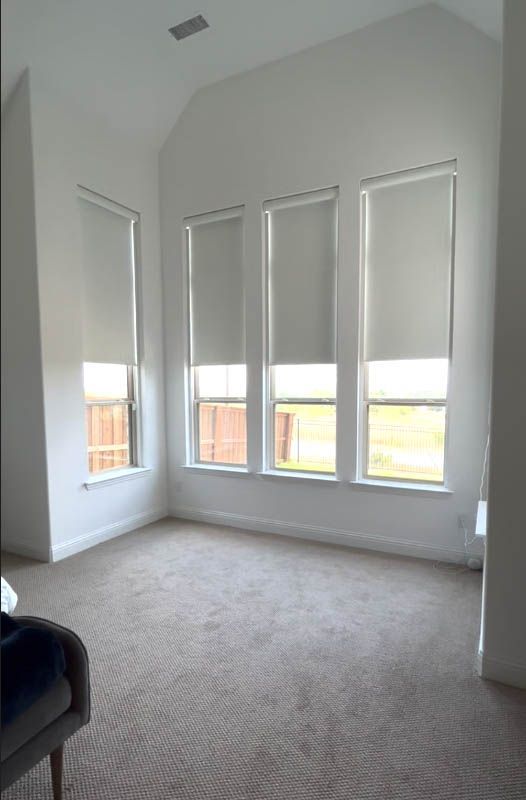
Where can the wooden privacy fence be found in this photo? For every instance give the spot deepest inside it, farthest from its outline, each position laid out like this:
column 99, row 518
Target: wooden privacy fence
column 223, row 434
column 108, row 437
column 283, row 427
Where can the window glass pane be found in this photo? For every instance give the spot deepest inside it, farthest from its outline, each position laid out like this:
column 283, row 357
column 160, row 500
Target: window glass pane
column 406, row 442
column 105, row 381
column 222, row 433
column 305, row 437
column 421, row 379
column 221, row 381
column 108, row 437
column 308, row 381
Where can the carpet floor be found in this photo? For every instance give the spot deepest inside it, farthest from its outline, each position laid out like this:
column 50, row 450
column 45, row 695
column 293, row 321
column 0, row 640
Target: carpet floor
column 240, row 666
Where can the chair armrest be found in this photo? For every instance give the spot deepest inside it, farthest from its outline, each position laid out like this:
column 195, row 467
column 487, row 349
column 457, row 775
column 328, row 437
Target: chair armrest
column 77, row 663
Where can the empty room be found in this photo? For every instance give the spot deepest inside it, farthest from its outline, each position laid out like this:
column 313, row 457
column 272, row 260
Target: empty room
column 263, row 378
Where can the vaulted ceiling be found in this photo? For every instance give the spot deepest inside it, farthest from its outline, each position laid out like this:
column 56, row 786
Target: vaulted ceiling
column 116, row 59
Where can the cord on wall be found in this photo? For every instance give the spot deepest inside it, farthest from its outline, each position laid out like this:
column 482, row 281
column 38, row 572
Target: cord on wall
column 473, row 562
column 484, row 468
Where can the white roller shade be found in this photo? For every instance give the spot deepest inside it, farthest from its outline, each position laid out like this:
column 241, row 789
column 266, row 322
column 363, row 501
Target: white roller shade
column 302, row 261
column 408, row 253
column 215, row 253
column 108, row 285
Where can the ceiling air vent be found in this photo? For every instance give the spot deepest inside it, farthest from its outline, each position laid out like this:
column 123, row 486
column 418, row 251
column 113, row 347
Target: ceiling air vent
column 189, row 27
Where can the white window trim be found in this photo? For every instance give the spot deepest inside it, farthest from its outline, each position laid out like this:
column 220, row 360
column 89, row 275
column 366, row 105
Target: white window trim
column 191, row 423
column 137, row 433
column 112, row 476
column 321, row 478
column 301, row 199
column 224, row 470
column 105, row 202
column 190, row 399
column 361, row 478
column 402, row 487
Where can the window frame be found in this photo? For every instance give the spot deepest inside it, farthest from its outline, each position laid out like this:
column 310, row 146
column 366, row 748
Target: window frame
column 135, row 426
column 367, row 401
column 362, row 454
column 297, row 401
column 191, row 417
column 196, row 400
column 269, row 401
column 131, row 403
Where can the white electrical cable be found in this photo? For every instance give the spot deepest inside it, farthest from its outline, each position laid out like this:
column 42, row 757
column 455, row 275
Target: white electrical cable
column 484, row 468
column 467, row 541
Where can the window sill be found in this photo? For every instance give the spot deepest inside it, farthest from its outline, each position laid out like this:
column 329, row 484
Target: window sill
column 211, row 469
column 115, row 476
column 275, row 474
column 424, row 489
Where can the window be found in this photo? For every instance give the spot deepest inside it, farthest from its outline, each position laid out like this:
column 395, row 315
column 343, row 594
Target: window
column 301, row 244
column 109, row 391
column 220, row 414
column 406, row 419
column 214, row 246
column 407, row 262
column 109, row 328
column 303, row 417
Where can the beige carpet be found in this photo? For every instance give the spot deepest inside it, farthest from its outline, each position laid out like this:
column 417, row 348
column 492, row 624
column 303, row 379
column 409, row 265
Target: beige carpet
column 233, row 666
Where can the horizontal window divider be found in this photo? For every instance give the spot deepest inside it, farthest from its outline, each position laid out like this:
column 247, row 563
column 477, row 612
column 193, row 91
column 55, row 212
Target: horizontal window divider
column 382, row 401
column 110, row 402
column 302, row 401
column 220, row 399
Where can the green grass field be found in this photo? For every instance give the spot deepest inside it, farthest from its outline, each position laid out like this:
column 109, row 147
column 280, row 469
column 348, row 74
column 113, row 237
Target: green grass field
column 406, row 443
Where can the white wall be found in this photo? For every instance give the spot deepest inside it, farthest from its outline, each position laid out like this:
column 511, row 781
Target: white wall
column 70, row 150
column 416, row 89
column 504, row 632
column 25, row 513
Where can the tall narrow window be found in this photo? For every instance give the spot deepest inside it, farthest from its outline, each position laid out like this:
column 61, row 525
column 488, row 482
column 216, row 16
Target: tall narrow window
column 109, row 328
column 407, row 258
column 217, row 337
column 301, row 243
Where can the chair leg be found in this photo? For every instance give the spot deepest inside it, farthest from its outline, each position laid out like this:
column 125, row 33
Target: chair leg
column 56, row 761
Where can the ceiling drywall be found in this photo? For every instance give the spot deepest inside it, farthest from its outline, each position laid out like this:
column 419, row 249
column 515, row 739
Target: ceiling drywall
column 116, row 59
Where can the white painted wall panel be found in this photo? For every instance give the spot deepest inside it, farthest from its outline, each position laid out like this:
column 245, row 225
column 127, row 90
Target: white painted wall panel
column 414, row 90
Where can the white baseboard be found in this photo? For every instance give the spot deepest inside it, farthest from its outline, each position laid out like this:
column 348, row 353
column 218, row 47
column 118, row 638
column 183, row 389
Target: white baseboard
column 494, row 669
column 79, row 543
column 25, row 549
column 321, row 534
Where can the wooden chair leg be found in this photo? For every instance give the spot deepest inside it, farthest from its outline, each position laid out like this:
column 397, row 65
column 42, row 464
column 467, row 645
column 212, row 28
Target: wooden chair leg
column 56, row 761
